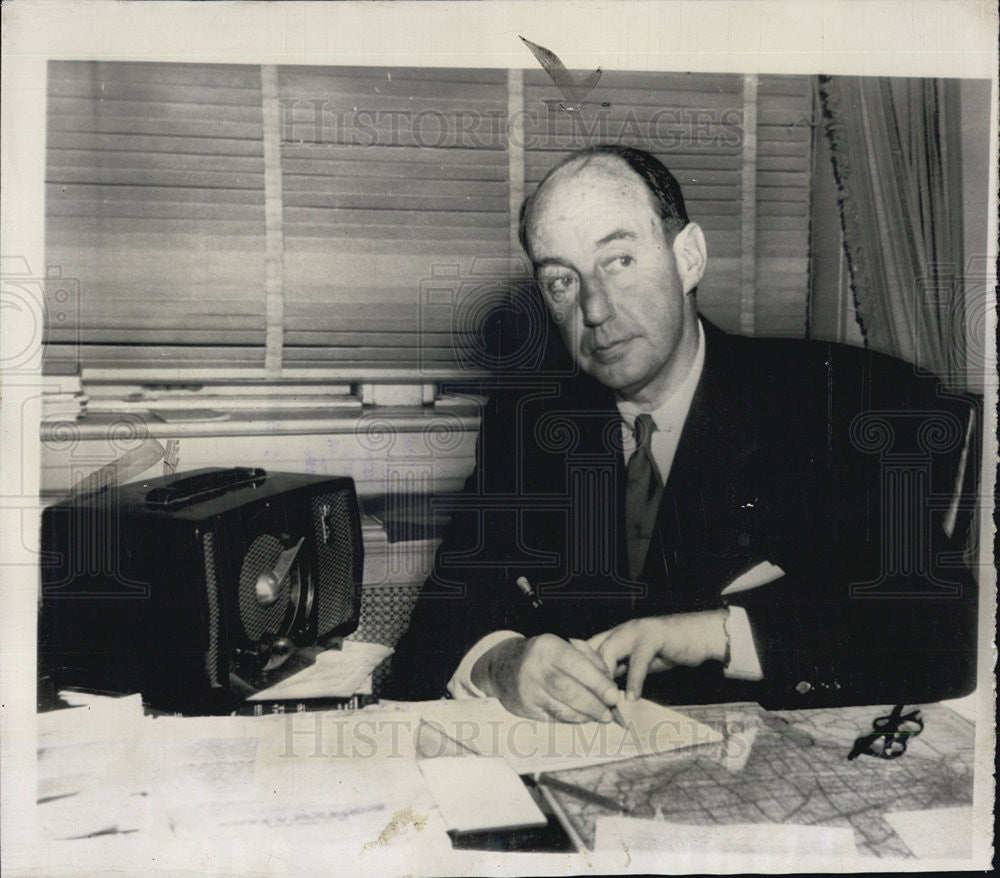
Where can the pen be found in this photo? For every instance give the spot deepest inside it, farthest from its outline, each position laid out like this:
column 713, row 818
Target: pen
column 525, row 586
column 581, row 793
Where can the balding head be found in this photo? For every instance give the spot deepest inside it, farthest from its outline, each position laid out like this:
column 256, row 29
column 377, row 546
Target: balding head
column 661, row 186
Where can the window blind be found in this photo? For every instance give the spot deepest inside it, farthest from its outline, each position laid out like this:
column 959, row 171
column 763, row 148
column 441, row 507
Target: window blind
column 396, row 212
column 362, row 217
column 155, row 208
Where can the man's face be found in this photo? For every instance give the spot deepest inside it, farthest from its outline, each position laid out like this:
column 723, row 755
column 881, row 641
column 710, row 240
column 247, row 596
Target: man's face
column 611, row 282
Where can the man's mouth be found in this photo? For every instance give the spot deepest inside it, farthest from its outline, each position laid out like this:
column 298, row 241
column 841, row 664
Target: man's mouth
column 611, row 351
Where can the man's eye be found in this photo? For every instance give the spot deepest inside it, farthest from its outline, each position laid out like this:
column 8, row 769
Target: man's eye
column 559, row 286
column 618, row 263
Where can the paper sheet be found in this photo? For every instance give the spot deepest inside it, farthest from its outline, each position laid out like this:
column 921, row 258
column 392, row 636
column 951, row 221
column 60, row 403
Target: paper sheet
column 476, row 794
column 91, row 746
column 337, row 673
column 485, row 727
column 940, row 833
column 794, row 842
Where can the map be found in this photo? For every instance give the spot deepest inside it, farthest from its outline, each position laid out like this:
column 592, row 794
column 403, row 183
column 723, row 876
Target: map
column 786, row 767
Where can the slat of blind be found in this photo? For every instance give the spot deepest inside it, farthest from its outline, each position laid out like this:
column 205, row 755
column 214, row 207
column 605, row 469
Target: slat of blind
column 637, row 81
column 100, row 75
column 163, row 268
column 459, row 169
column 395, row 158
column 137, row 333
column 143, row 356
column 301, row 187
column 303, row 205
column 389, row 227
column 122, row 89
column 154, row 205
column 159, row 161
column 170, row 144
column 450, row 355
column 69, row 204
column 194, row 317
column 94, row 123
column 181, row 108
column 121, row 176
column 177, row 229
column 540, row 159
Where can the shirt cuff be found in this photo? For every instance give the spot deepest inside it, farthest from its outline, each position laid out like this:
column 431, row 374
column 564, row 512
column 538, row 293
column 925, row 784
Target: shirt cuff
column 460, row 685
column 744, row 663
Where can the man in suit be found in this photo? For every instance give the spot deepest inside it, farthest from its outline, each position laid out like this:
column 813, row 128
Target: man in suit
column 715, row 518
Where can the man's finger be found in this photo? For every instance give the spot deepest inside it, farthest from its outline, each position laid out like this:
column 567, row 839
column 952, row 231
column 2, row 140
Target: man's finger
column 591, row 674
column 565, row 713
column 590, row 653
column 575, row 699
column 597, row 641
column 638, row 665
column 617, row 645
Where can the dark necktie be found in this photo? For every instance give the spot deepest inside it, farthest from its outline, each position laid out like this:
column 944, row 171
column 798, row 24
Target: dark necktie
column 642, row 495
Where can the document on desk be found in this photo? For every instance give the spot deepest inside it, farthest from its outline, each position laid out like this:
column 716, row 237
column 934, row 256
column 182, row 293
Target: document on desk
column 337, row 673
column 485, row 727
column 88, row 746
column 772, row 839
column 476, row 794
column 336, row 778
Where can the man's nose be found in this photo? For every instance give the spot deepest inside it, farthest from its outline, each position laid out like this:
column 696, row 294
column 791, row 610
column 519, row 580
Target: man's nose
column 594, row 303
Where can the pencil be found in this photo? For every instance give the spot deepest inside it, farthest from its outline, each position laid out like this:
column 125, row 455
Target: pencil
column 616, row 715
column 582, row 794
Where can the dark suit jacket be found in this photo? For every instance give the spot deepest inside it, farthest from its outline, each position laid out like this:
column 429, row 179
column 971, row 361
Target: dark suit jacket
column 835, row 463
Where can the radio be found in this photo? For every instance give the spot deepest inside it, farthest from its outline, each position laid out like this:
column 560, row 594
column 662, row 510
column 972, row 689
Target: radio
column 198, row 590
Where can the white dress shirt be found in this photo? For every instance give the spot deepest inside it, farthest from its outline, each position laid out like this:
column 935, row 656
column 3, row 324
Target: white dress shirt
column 669, row 418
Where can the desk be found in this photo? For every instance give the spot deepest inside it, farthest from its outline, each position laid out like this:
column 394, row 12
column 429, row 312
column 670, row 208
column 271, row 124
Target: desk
column 766, row 761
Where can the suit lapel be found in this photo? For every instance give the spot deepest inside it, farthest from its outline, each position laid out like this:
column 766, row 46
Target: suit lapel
column 701, row 533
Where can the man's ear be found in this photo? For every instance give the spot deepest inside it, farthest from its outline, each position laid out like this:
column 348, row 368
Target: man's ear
column 691, row 255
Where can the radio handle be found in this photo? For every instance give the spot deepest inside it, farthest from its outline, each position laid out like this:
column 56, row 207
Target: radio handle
column 205, row 484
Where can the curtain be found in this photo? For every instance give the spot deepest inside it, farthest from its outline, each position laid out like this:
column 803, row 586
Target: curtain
column 896, row 158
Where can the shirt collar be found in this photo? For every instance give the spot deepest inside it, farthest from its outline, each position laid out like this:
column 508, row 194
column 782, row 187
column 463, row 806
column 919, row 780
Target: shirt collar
column 673, row 411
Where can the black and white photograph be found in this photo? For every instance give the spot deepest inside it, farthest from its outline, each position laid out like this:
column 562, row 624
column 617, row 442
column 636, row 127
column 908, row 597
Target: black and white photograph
column 498, row 438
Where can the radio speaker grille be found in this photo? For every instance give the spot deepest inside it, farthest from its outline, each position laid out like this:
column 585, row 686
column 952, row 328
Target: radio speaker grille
column 256, row 619
column 334, row 559
column 212, row 600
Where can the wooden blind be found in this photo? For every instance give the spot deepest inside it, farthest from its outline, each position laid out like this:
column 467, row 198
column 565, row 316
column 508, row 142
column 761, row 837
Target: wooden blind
column 155, row 208
column 360, row 217
column 395, row 213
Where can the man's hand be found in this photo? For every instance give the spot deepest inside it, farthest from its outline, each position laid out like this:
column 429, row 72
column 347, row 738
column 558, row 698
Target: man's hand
column 546, row 677
column 658, row 643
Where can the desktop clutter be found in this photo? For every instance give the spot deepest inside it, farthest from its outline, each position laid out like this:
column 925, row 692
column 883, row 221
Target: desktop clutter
column 194, row 634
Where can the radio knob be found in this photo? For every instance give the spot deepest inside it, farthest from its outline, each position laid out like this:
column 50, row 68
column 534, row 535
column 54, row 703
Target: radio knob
column 275, row 650
column 267, row 588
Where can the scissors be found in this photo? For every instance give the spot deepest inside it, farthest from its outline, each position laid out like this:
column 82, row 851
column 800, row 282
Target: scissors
column 888, row 741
